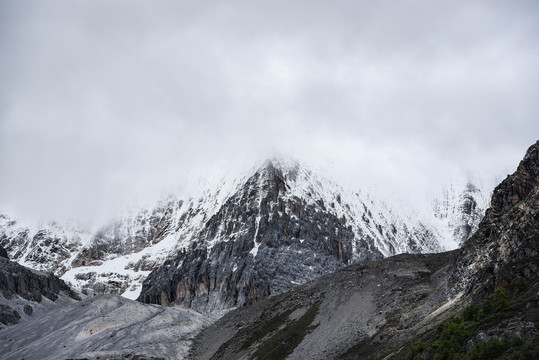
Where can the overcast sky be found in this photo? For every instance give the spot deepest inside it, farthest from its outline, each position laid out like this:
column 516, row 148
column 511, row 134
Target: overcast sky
column 105, row 101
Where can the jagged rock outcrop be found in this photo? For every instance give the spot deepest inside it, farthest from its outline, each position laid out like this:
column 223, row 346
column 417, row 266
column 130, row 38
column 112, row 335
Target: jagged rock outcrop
column 29, row 284
column 49, row 248
column 22, row 288
column 282, row 228
column 506, row 246
column 3, row 253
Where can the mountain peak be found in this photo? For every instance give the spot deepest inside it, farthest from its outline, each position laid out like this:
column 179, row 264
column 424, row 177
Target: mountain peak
column 517, row 187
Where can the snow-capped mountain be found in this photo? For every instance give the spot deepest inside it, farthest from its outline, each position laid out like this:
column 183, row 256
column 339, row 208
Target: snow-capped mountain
column 461, row 208
column 282, row 227
column 49, row 246
column 277, row 226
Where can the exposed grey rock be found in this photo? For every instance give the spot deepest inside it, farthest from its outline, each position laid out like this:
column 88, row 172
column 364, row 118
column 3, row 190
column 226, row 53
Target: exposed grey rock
column 29, row 284
column 104, row 327
column 280, row 229
column 20, row 287
column 8, row 315
column 283, row 211
column 508, row 235
column 3, row 253
column 28, row 310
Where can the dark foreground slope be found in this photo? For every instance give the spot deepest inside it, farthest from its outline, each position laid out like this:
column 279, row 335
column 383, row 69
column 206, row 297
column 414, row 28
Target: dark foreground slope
column 378, row 302
column 481, row 301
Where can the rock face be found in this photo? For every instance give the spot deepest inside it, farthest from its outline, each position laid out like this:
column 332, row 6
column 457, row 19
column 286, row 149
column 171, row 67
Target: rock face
column 22, row 289
column 381, row 309
column 506, row 245
column 49, row 248
column 282, row 228
column 238, row 241
column 373, row 302
column 3, row 253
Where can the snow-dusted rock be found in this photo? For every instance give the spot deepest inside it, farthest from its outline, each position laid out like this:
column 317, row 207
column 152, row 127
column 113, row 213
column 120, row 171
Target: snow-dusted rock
column 283, row 227
column 234, row 241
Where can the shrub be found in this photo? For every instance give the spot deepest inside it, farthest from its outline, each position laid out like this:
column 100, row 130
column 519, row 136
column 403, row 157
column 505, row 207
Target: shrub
column 521, row 285
column 497, row 302
column 415, row 352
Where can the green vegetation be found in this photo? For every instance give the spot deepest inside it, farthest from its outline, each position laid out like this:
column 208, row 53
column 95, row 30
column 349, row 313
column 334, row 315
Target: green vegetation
column 278, row 335
column 521, row 285
column 450, row 338
column 283, row 343
column 415, row 352
column 265, row 327
column 269, row 327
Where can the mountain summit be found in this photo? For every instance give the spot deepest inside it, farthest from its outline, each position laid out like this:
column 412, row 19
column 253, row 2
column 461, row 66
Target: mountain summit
column 284, row 226
column 239, row 240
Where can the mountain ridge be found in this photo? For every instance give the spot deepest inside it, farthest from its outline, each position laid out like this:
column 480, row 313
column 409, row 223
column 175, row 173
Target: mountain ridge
column 480, row 301
column 120, row 255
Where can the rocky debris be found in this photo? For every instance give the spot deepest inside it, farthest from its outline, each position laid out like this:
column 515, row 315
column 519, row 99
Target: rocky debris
column 103, row 283
column 8, row 315
column 104, row 327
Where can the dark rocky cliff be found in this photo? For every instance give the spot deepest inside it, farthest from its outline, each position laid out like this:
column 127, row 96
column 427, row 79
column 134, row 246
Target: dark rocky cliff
column 3, row 253
column 22, row 288
column 506, row 246
column 272, row 242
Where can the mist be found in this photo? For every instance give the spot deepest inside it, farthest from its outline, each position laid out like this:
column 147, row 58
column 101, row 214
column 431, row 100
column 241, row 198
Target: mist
column 105, row 103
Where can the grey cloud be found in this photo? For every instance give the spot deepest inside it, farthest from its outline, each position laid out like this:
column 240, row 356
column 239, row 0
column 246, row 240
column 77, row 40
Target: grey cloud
column 105, row 100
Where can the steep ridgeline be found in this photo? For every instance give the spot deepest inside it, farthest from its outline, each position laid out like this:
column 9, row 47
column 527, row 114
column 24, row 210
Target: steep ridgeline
column 478, row 302
column 277, row 226
column 506, row 245
column 461, row 208
column 283, row 227
column 120, row 255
